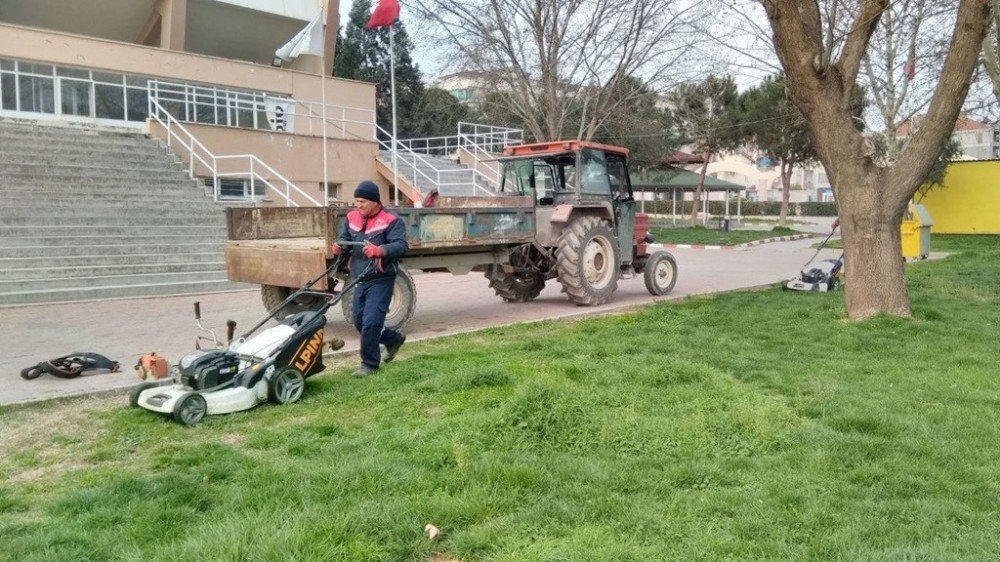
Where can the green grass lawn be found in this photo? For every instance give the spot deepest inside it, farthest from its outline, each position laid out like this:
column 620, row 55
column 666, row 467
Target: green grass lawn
column 749, row 426
column 714, row 236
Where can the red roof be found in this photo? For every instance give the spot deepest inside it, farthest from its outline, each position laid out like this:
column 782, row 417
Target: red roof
column 964, row 123
column 554, row 147
column 684, row 158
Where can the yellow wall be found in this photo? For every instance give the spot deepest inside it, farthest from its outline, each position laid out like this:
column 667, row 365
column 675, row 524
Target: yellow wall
column 969, row 202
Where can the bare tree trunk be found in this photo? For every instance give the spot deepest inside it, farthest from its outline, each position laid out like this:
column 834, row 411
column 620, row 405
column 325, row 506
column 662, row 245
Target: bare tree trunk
column 871, row 198
column 786, row 180
column 873, row 259
column 699, row 189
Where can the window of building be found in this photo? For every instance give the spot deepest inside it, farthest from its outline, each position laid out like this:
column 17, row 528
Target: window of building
column 77, row 92
column 35, row 94
column 237, row 188
column 8, row 91
column 75, row 96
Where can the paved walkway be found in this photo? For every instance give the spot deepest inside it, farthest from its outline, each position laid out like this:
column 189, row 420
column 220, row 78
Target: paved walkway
column 125, row 329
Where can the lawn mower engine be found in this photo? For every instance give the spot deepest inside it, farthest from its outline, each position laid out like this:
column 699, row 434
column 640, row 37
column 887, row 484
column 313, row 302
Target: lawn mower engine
column 202, row 370
column 820, row 276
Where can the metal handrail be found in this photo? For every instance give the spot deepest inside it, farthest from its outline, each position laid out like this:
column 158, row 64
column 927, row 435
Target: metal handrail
column 211, row 161
column 411, row 159
column 470, row 139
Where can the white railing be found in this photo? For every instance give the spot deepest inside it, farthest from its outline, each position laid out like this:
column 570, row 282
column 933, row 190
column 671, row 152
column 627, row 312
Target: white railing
column 481, row 142
column 252, row 168
column 446, row 182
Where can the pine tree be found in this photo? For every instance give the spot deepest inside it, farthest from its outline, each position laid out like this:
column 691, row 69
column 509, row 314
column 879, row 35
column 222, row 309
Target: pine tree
column 363, row 54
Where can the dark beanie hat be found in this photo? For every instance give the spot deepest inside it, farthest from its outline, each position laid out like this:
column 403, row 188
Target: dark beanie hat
column 368, row 190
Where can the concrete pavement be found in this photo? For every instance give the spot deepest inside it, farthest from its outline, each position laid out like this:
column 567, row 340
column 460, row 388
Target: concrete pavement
column 125, row 329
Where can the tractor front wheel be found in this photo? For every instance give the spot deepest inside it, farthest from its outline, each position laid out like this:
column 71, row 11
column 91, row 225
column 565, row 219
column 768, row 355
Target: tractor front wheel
column 587, row 261
column 660, row 273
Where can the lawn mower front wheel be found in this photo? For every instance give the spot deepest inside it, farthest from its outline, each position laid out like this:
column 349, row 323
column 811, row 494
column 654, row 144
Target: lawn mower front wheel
column 190, row 408
column 287, row 386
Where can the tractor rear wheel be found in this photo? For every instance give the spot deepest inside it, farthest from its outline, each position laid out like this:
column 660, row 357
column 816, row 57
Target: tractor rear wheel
column 514, row 287
column 587, row 261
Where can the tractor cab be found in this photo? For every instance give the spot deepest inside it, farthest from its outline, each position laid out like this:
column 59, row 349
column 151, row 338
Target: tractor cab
column 568, row 179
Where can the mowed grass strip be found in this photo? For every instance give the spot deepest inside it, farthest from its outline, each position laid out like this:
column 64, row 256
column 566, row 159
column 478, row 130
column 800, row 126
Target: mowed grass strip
column 750, row 426
column 714, row 236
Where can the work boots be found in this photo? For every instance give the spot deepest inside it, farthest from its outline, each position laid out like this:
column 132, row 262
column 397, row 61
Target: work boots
column 391, row 351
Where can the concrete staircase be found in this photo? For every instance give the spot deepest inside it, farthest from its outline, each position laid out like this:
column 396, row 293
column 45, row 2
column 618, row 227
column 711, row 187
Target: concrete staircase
column 88, row 214
column 456, row 179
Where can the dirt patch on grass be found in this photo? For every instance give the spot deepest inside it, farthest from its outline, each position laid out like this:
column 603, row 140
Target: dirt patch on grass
column 63, row 422
column 44, row 442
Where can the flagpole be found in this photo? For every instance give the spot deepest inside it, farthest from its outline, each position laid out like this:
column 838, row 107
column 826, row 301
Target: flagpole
column 322, row 95
column 392, row 94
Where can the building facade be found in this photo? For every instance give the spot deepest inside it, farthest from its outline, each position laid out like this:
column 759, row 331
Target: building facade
column 199, row 74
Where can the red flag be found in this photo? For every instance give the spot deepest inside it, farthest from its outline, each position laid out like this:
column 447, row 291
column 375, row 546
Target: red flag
column 385, row 14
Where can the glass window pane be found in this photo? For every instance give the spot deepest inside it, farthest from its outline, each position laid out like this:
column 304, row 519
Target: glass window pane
column 109, row 102
column 36, row 94
column 6, row 64
column 594, row 173
column 75, row 97
column 35, row 68
column 136, row 80
column 73, row 73
column 111, row 78
column 8, row 93
column 138, row 100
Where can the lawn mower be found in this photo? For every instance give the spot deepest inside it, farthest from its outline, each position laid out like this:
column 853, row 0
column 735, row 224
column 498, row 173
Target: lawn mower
column 821, row 276
column 272, row 364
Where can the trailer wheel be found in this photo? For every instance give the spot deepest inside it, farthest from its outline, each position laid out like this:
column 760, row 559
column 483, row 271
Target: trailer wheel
column 190, row 408
column 587, row 261
column 514, row 287
column 404, row 302
column 273, row 295
column 286, row 387
column 660, row 273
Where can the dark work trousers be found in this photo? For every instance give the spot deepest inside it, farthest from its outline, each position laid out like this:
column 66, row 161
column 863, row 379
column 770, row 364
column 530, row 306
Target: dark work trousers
column 371, row 303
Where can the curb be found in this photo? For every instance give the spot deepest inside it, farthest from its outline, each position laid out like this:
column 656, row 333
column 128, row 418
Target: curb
column 777, row 239
column 737, row 246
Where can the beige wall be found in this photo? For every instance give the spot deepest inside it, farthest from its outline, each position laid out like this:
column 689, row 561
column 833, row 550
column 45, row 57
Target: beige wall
column 73, row 50
column 298, row 157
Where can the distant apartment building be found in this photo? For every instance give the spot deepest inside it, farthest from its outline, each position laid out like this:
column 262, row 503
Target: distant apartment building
column 207, row 66
column 761, row 176
column 977, row 140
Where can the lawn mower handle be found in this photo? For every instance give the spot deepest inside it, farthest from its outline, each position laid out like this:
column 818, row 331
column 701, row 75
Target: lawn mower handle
column 337, row 262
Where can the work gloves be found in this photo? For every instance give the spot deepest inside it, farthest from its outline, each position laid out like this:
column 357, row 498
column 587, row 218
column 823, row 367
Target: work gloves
column 374, row 252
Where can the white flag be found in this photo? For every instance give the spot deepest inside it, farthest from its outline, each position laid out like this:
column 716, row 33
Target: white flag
column 309, row 41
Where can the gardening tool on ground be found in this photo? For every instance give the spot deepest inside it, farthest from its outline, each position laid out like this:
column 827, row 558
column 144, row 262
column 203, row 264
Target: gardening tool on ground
column 71, row 366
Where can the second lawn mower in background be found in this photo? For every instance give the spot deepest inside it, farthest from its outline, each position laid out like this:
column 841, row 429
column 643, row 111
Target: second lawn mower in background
column 822, row 276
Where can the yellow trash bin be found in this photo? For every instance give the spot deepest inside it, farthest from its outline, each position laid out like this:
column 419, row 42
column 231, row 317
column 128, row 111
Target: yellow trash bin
column 915, row 231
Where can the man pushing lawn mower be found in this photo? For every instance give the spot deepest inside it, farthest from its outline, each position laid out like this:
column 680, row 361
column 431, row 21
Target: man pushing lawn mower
column 383, row 236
